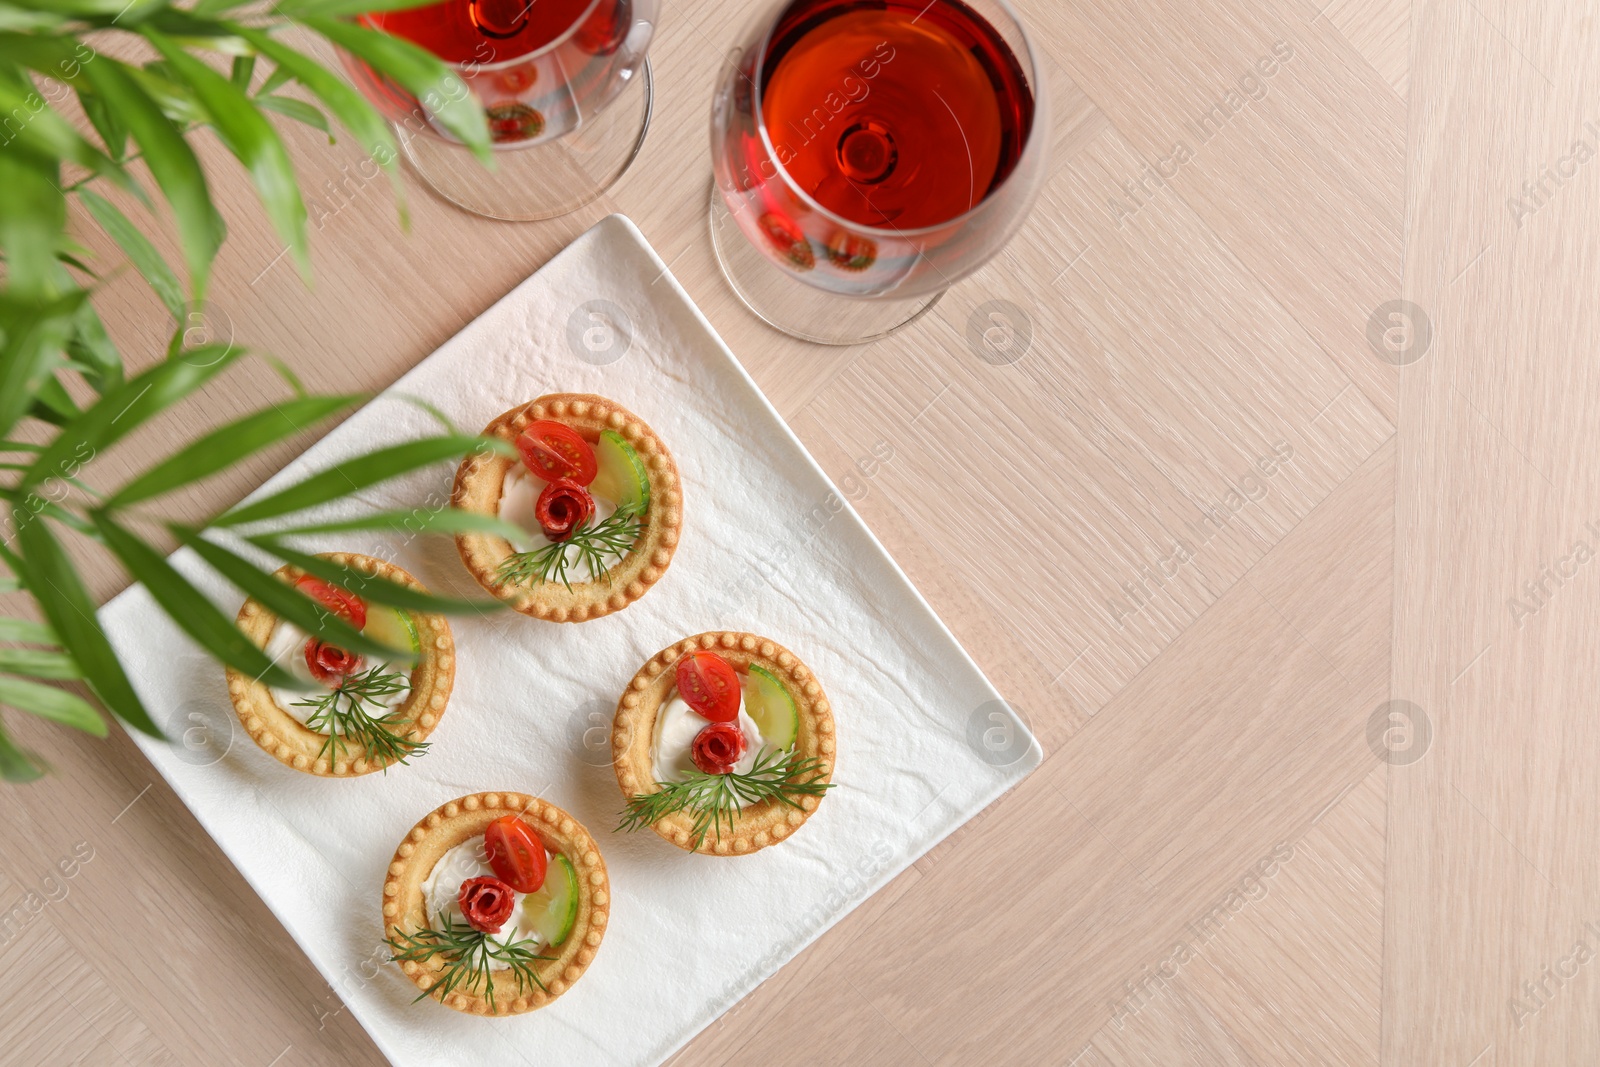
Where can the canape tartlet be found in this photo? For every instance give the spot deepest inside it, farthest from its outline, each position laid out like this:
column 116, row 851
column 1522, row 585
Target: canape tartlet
column 495, row 903
column 360, row 714
column 723, row 743
column 598, row 494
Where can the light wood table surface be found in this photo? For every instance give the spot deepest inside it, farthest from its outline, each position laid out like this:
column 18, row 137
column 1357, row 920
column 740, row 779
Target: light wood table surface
column 1200, row 532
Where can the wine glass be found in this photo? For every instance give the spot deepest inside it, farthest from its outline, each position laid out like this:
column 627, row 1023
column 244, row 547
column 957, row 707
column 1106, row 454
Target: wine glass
column 550, row 75
column 870, row 153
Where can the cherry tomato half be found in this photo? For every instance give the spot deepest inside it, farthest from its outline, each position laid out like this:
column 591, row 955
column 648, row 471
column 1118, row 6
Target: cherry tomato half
column 341, row 602
column 709, row 686
column 553, row 450
column 516, row 854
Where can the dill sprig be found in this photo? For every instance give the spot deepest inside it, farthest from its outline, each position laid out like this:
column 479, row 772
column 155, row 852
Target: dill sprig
column 467, row 954
column 716, row 799
column 340, row 713
column 593, row 542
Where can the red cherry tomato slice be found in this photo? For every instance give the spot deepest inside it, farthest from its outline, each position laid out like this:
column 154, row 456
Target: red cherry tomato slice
column 341, row 602
column 516, row 854
column 553, row 450
column 709, row 686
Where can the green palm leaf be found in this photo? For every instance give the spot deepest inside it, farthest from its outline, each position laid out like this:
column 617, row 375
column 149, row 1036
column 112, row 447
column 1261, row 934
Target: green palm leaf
column 123, row 409
column 32, row 216
column 377, row 590
column 227, row 445
column 17, row 766
column 35, row 332
column 353, row 474
column 415, row 521
column 251, row 138
column 347, row 105
column 55, row 585
column 171, row 161
column 283, row 600
column 39, row 663
column 140, row 252
column 48, row 702
column 420, row 72
column 189, row 608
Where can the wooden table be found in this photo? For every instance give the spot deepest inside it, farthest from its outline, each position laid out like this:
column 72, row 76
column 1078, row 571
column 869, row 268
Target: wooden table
column 1201, row 532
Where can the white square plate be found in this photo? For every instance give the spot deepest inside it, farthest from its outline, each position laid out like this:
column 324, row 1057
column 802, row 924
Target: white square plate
column 769, row 546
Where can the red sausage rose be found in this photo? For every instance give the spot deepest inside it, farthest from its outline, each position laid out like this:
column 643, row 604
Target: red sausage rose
column 562, row 508
column 329, row 663
column 487, row 903
column 718, row 747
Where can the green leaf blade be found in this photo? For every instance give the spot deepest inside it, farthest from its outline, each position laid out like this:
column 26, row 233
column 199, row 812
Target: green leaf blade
column 39, row 663
column 227, row 445
column 123, row 409
column 378, row 590
column 419, row 72
column 188, row 607
column 353, row 474
column 414, row 521
column 139, row 250
column 53, row 580
column 284, row 600
column 171, row 161
column 251, row 138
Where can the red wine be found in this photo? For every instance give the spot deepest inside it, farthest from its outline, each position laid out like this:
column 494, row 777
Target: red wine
column 891, row 113
column 493, row 31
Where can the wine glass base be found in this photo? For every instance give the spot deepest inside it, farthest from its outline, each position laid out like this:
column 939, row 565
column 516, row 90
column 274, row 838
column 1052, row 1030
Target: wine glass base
column 540, row 181
column 797, row 309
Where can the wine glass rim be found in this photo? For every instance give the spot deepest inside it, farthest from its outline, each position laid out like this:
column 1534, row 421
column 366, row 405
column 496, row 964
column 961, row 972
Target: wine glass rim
column 1036, row 84
column 566, row 35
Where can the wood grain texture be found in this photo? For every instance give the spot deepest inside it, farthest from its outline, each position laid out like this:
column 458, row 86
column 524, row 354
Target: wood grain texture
column 1192, row 526
column 1489, row 885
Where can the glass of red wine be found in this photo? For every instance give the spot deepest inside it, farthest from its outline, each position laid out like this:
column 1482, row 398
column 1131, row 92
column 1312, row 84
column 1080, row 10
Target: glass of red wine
column 870, row 153
column 552, row 77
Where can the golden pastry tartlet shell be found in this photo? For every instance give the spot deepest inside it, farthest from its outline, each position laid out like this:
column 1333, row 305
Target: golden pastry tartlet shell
column 461, row 820
column 633, row 729
column 288, row 740
column 481, row 476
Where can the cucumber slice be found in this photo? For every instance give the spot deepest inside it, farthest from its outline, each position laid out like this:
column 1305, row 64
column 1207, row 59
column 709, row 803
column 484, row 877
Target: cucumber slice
column 621, row 477
column 395, row 628
column 770, row 705
column 552, row 909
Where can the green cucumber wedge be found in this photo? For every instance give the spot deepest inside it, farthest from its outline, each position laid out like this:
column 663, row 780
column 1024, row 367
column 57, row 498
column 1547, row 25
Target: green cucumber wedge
column 395, row 628
column 770, row 705
column 621, row 476
column 552, row 909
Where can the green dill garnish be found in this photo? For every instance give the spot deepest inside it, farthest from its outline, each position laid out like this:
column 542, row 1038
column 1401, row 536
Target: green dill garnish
column 467, row 954
column 592, row 542
column 340, row 713
column 717, row 799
